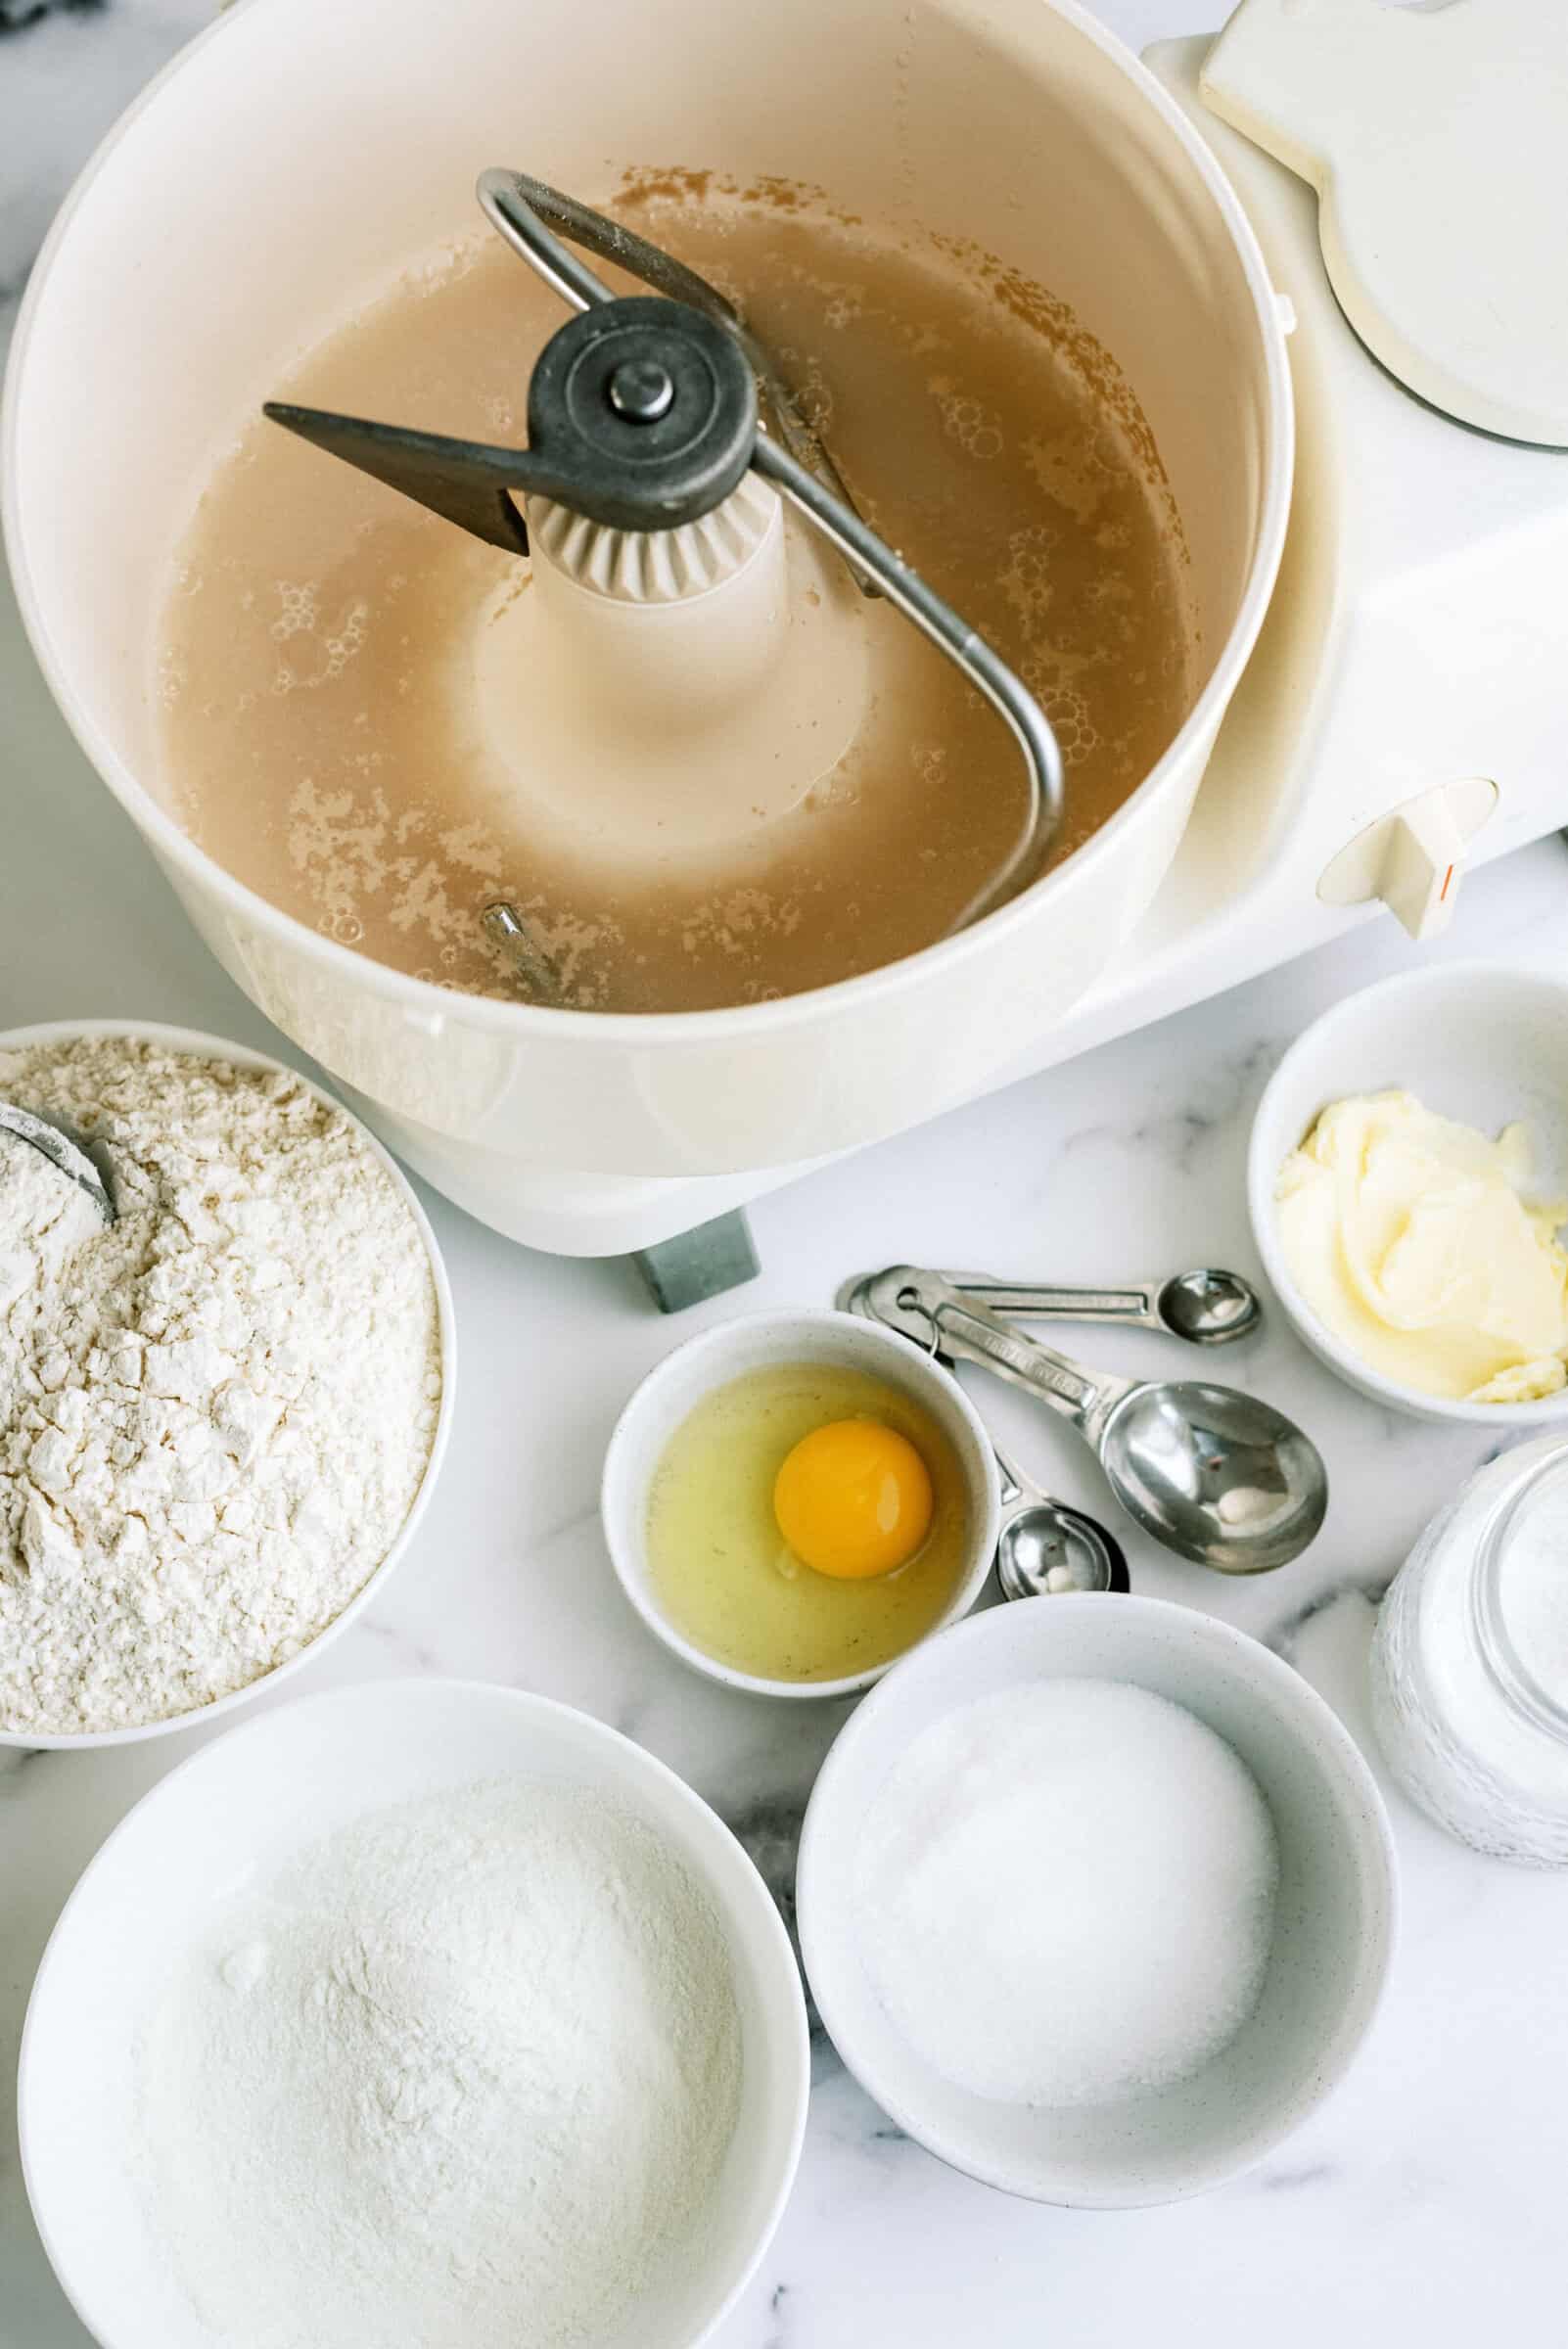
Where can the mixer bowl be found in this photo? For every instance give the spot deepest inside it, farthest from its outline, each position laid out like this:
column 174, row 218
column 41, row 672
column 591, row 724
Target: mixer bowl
column 285, row 168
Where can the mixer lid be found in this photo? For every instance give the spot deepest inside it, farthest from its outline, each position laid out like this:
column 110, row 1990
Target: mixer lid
column 1437, row 138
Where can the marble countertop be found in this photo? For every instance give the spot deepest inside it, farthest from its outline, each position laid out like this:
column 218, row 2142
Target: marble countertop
column 1427, row 2195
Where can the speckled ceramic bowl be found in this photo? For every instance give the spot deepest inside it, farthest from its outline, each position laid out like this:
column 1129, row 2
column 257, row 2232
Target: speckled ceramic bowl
column 1334, row 1913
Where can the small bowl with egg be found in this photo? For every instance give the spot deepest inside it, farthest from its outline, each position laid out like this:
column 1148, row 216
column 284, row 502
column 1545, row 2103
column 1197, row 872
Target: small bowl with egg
column 1407, row 1177
column 793, row 1500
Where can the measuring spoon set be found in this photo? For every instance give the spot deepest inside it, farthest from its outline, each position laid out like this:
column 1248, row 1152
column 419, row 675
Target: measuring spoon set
column 1214, row 1474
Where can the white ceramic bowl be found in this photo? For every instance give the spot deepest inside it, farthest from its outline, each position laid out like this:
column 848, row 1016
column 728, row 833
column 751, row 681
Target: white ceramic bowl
column 671, row 1392
column 216, row 1047
column 1479, row 1042
column 251, row 1800
column 1334, row 1916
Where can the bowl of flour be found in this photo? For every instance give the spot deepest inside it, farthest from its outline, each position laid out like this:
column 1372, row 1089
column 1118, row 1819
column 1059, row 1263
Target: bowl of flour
column 421, row 2012
column 1097, row 1901
column 222, row 1415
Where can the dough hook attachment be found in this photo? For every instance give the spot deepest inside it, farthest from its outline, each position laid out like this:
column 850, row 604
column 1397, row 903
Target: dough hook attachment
column 644, row 413
column 507, row 197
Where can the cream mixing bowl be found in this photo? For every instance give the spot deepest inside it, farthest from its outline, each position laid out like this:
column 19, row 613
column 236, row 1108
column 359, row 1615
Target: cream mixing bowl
column 1333, row 1921
column 1018, row 127
column 214, row 1048
column 251, row 1802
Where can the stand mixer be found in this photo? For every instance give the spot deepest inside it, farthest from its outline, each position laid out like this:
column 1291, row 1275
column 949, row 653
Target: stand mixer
column 1383, row 650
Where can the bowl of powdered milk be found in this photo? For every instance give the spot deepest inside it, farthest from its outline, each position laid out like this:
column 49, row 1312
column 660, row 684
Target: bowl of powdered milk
column 222, row 1414
column 426, row 2012
column 1097, row 1902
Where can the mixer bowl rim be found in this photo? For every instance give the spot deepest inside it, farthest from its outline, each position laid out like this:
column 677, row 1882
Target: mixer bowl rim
column 430, row 1006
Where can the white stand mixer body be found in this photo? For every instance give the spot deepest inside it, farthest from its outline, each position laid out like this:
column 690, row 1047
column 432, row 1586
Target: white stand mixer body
column 1417, row 643
column 1412, row 659
column 1417, row 646
column 204, row 250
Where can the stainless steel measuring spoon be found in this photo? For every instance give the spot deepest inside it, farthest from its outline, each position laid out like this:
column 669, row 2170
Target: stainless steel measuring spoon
column 1044, row 1546
column 1216, row 1475
column 1207, row 1307
column 67, row 1150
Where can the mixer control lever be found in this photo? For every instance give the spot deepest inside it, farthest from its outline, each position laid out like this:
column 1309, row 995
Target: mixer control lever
column 1413, row 858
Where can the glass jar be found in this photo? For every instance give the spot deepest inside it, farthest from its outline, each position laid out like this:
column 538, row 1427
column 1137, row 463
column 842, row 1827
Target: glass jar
column 1470, row 1661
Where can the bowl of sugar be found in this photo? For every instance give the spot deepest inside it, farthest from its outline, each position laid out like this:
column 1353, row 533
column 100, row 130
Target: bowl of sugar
column 422, row 2011
column 1097, row 1903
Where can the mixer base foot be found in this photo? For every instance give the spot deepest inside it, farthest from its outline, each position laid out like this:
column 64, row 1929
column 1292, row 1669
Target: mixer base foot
column 699, row 1263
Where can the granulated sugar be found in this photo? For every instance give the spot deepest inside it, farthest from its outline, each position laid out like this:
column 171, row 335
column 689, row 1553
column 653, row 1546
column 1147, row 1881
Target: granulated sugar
column 1068, row 1895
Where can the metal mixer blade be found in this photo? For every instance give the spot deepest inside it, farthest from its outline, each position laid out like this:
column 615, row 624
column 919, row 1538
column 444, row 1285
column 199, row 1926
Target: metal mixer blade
column 643, row 414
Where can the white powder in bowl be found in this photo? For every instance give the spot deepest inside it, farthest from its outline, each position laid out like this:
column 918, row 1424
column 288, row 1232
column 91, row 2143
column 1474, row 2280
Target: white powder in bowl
column 463, row 2076
column 1068, row 1894
column 215, row 1414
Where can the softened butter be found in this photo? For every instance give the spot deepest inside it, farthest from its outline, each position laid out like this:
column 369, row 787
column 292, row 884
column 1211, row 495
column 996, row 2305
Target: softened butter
column 1411, row 1237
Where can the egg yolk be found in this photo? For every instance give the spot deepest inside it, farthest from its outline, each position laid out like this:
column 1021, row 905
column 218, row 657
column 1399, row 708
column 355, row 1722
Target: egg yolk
column 854, row 1499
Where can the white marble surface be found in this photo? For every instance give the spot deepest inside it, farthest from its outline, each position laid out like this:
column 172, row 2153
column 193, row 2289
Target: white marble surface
column 1427, row 2195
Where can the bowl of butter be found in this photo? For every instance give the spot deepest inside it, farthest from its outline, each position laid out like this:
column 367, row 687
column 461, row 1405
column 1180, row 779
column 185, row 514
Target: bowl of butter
column 1407, row 1182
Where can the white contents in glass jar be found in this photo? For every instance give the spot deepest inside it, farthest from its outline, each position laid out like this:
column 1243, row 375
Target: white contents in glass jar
column 462, row 2075
column 1068, row 1896
column 1469, row 1671
column 1533, row 1589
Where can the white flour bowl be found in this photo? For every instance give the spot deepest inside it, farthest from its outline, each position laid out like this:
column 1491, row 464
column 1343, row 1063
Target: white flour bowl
column 1479, row 1042
column 250, row 1801
column 216, row 1047
column 1333, row 1925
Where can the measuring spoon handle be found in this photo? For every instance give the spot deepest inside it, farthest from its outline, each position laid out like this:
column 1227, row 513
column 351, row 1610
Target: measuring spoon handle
column 1010, row 1486
column 1136, row 1305
column 968, row 1330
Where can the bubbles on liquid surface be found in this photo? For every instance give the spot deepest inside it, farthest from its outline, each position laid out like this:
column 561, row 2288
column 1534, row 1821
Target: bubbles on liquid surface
column 967, row 420
column 296, row 616
column 1025, row 578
